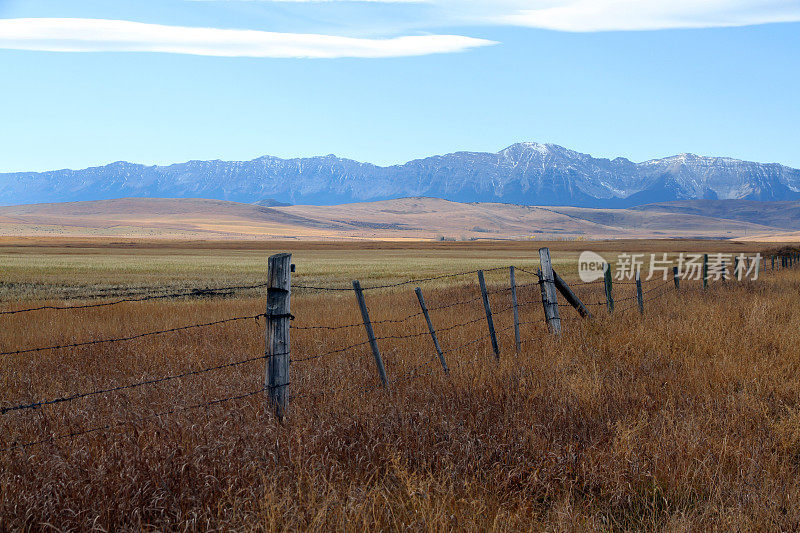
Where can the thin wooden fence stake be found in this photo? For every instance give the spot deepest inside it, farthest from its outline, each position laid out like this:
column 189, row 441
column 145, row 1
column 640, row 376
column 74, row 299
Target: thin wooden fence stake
column 515, row 305
column 705, row 271
column 570, row 296
column 639, row 295
column 609, row 288
column 548, row 286
column 431, row 330
column 723, row 271
column 278, row 315
column 373, row 344
column 675, row 278
column 489, row 320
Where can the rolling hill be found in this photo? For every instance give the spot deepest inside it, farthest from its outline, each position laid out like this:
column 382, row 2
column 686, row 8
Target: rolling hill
column 406, row 218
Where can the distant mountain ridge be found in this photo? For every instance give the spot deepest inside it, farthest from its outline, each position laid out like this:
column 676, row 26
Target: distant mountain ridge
column 524, row 173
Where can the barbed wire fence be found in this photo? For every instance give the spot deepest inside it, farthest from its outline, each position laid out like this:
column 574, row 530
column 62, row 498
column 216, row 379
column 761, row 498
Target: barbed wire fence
column 279, row 322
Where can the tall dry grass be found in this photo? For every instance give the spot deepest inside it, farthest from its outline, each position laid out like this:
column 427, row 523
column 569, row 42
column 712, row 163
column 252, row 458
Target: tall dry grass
column 685, row 419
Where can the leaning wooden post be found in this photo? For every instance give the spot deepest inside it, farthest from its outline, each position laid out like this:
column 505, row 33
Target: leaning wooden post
column 431, row 330
column 278, row 315
column 570, row 296
column 548, row 286
column 489, row 320
column 735, row 273
column 362, row 304
column 609, row 288
column 515, row 305
column 639, row 295
column 705, row 271
column 675, row 278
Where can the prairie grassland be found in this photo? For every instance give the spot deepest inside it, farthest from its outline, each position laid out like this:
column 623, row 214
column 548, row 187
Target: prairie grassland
column 54, row 268
column 683, row 419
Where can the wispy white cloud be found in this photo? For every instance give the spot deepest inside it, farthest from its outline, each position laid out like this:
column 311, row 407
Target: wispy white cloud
column 100, row 35
column 627, row 15
column 600, row 15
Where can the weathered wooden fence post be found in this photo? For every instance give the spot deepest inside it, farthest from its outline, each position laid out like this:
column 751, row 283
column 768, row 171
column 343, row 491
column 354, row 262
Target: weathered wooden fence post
column 723, row 271
column 515, row 305
column 431, row 330
column 609, row 288
column 675, row 278
column 736, row 272
column 489, row 320
column 278, row 315
column 373, row 344
column 548, row 286
column 705, row 271
column 639, row 295
column 773, row 262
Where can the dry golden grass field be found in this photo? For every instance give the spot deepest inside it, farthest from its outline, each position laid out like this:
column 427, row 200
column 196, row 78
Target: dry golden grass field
column 684, row 419
column 403, row 219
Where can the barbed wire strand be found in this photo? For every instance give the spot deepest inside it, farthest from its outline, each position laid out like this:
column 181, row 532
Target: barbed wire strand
column 132, row 337
column 128, row 422
column 144, row 292
column 77, row 396
column 193, row 292
column 397, row 284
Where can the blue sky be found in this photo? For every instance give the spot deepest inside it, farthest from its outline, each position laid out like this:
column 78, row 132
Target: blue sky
column 90, row 82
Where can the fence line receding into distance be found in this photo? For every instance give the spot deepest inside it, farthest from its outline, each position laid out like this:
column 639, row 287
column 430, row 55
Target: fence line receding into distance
column 277, row 356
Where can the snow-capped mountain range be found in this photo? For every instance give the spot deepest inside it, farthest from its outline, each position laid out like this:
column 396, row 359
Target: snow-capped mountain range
column 524, row 173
